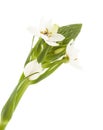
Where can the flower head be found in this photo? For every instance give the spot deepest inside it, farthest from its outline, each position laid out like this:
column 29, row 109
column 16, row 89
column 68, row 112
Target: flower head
column 48, row 32
column 33, row 70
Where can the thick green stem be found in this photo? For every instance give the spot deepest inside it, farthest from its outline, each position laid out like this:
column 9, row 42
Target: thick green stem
column 2, row 126
column 12, row 103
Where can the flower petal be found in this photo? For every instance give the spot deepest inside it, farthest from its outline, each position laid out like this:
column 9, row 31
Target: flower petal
column 71, row 51
column 75, row 63
column 46, row 39
column 34, row 68
column 54, row 28
column 56, row 37
column 49, row 25
column 45, row 24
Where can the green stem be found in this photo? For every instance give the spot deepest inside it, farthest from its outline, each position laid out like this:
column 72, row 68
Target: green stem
column 2, row 126
column 12, row 102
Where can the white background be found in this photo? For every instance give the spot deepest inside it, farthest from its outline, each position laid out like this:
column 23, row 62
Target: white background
column 69, row 99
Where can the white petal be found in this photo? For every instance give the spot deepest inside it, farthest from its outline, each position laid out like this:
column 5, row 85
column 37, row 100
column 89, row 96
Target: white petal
column 56, row 37
column 45, row 24
column 54, row 28
column 31, row 68
column 71, row 51
column 49, row 25
column 75, row 63
column 45, row 37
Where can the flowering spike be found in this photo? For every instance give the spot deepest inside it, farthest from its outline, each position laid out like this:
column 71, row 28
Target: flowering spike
column 51, row 50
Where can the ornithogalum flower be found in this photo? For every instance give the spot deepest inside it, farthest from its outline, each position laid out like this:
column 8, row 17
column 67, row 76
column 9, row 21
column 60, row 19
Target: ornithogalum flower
column 72, row 54
column 48, row 32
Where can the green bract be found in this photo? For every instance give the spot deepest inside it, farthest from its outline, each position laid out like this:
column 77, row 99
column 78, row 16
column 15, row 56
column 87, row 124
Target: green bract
column 69, row 32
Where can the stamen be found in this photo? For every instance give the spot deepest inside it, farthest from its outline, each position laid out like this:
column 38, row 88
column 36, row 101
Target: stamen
column 46, row 32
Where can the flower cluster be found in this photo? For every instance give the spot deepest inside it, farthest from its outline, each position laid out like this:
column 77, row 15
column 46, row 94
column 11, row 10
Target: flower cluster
column 49, row 33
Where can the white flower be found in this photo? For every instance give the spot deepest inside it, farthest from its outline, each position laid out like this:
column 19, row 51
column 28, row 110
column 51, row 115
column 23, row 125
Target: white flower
column 48, row 32
column 72, row 53
column 33, row 70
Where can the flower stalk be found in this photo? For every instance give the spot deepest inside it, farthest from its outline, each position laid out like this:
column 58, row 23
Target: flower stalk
column 12, row 103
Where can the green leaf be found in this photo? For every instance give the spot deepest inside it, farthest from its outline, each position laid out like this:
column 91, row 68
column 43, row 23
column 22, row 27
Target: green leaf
column 69, row 32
